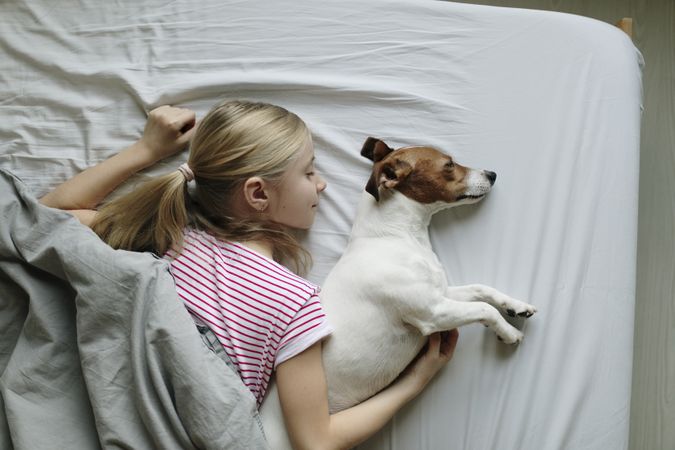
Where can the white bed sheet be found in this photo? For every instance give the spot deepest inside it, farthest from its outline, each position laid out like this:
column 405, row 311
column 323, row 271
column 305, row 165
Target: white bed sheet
column 551, row 102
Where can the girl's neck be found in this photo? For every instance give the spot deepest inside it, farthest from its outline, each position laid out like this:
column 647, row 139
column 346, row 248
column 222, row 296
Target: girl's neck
column 263, row 247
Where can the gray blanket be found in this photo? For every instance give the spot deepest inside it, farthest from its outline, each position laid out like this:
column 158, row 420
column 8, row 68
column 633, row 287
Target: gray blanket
column 96, row 349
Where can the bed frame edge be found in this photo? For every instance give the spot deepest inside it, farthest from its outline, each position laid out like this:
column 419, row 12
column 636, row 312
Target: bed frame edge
column 626, row 24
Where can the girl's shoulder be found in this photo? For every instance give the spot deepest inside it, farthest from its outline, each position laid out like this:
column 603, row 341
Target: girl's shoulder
column 248, row 263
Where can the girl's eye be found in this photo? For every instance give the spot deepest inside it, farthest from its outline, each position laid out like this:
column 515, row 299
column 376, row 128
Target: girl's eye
column 310, row 174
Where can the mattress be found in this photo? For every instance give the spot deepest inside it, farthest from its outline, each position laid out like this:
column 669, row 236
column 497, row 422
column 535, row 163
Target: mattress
column 550, row 102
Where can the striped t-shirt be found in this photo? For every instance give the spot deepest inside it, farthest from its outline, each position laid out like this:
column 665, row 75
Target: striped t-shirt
column 261, row 313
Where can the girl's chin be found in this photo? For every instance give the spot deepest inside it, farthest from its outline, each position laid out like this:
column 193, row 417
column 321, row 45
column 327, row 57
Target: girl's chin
column 299, row 227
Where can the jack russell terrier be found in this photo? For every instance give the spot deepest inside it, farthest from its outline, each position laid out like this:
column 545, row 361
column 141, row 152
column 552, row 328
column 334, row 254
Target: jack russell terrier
column 388, row 291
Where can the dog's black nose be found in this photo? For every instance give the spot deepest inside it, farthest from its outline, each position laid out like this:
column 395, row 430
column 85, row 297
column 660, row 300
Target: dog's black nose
column 491, row 176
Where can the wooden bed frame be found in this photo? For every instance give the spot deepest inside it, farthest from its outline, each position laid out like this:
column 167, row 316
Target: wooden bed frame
column 626, row 24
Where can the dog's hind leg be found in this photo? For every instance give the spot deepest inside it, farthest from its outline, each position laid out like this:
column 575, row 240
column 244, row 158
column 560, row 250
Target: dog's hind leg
column 481, row 293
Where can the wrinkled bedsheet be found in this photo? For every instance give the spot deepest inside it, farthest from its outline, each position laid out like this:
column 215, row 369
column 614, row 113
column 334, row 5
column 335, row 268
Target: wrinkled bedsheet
column 96, row 350
column 551, row 102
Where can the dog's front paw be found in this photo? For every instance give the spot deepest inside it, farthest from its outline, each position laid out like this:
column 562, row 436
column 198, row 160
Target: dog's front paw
column 503, row 302
column 512, row 337
column 514, row 308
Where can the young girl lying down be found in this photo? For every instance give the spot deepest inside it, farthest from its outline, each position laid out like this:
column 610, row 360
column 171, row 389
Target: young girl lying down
column 223, row 221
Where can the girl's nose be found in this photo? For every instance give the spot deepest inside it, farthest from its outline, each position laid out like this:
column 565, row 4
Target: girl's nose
column 321, row 185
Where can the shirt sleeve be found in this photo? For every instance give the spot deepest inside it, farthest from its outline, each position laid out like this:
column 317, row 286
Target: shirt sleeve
column 308, row 327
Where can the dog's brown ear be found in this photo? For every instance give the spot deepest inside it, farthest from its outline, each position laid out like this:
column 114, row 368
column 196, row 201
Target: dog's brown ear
column 371, row 188
column 388, row 175
column 375, row 149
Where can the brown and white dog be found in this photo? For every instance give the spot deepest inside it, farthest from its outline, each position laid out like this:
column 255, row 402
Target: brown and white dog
column 388, row 291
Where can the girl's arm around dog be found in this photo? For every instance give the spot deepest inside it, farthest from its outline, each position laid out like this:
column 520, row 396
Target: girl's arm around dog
column 304, row 398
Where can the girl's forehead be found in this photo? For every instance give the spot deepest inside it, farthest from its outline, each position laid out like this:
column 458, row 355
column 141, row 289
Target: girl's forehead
column 307, row 150
column 303, row 157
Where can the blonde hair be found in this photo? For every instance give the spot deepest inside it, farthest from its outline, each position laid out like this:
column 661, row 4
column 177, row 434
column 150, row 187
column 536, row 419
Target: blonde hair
column 235, row 141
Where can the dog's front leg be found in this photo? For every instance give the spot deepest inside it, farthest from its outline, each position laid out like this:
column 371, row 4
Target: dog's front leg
column 481, row 293
column 449, row 314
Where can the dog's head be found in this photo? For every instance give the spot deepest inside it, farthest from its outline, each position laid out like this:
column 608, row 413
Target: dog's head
column 424, row 174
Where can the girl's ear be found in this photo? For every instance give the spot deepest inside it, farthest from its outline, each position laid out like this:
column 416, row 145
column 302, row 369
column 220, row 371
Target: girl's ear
column 255, row 193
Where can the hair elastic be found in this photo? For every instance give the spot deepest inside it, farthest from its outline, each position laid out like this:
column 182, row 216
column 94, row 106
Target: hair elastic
column 187, row 172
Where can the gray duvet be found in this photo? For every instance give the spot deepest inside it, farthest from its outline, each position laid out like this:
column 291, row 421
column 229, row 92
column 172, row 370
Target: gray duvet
column 96, row 349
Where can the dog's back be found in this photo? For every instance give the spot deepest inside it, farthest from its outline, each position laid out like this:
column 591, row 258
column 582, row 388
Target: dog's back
column 372, row 343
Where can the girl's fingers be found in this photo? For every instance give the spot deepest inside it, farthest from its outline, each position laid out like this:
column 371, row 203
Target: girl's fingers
column 186, row 122
column 187, row 131
column 449, row 342
column 169, row 129
column 434, row 344
column 189, row 124
column 186, row 118
column 179, row 119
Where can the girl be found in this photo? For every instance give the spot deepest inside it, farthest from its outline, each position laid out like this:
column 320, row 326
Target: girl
column 223, row 221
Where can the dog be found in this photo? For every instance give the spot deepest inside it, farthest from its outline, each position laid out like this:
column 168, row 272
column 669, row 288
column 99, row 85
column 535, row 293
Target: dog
column 389, row 292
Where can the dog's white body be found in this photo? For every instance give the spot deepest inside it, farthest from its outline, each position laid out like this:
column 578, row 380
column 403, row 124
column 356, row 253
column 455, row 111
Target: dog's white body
column 385, row 295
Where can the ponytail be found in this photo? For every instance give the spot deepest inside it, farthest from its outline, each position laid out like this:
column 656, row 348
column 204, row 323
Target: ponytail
column 236, row 140
column 150, row 218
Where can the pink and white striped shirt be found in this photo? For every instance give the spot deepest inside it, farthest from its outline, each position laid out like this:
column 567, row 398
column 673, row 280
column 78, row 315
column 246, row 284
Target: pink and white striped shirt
column 261, row 313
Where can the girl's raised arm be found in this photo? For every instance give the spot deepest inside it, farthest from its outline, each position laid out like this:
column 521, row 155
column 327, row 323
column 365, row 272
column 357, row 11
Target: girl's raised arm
column 304, row 397
column 167, row 131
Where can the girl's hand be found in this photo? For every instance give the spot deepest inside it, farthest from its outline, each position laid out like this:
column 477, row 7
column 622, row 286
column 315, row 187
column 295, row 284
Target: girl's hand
column 167, row 131
column 435, row 354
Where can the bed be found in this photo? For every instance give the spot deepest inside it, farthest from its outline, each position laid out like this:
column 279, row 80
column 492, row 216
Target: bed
column 551, row 102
